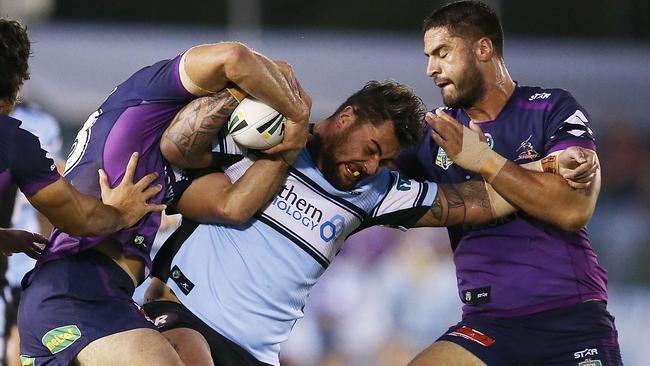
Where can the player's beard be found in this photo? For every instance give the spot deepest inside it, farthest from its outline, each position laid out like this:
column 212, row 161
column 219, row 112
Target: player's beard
column 469, row 90
column 324, row 150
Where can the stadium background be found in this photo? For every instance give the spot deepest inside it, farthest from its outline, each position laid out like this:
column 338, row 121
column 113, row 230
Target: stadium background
column 388, row 294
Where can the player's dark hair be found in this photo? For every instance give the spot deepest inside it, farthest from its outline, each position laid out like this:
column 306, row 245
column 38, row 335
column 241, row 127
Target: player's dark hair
column 14, row 52
column 380, row 101
column 468, row 19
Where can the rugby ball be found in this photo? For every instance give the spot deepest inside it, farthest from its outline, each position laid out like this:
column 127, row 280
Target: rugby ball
column 255, row 125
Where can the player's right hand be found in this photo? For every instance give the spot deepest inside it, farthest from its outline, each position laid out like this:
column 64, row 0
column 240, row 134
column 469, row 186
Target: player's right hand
column 578, row 166
column 129, row 198
column 20, row 241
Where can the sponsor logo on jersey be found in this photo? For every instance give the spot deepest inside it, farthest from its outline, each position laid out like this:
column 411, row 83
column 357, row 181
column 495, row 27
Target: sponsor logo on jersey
column 539, row 96
column 27, row 361
column 61, row 338
column 472, row 335
column 526, row 150
column 307, row 214
column 586, row 352
column 590, row 363
column 477, row 296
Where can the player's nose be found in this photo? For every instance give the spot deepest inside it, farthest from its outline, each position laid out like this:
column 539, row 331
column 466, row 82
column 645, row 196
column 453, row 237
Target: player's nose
column 433, row 67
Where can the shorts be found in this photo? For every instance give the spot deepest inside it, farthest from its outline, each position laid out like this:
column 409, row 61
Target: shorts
column 169, row 315
column 69, row 303
column 577, row 335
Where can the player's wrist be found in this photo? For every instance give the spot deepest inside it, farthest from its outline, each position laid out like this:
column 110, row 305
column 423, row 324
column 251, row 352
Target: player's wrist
column 551, row 164
column 492, row 165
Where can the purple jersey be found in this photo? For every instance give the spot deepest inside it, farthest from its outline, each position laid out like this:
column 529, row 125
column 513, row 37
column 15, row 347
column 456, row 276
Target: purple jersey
column 517, row 264
column 133, row 118
column 22, row 160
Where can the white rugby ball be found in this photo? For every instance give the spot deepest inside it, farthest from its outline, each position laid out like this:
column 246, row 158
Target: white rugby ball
column 255, row 125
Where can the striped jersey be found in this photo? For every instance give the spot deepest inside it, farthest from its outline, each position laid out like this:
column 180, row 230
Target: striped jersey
column 250, row 282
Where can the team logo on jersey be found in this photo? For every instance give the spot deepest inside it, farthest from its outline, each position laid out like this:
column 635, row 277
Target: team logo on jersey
column 526, row 150
column 61, row 338
column 590, row 363
column 472, row 335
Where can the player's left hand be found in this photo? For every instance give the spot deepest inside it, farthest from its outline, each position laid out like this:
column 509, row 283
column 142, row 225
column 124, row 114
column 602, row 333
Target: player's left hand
column 296, row 130
column 578, row 166
column 20, row 241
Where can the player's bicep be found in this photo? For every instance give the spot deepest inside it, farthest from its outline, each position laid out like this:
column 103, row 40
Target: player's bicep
column 203, row 68
column 203, row 200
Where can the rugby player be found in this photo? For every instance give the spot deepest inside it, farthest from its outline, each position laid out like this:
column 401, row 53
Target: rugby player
column 533, row 291
column 235, row 286
column 77, row 303
column 24, row 163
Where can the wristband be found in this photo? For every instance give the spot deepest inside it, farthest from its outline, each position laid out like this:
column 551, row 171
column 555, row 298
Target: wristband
column 550, row 164
column 237, row 93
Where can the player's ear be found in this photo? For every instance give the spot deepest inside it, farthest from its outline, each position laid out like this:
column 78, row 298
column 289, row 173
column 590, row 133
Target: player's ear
column 345, row 117
column 484, row 49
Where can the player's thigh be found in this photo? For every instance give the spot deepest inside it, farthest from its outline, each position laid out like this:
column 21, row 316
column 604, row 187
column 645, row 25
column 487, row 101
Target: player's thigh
column 446, row 353
column 190, row 345
column 142, row 346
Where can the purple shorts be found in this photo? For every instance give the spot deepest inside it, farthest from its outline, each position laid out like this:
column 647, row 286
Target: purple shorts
column 577, row 335
column 70, row 302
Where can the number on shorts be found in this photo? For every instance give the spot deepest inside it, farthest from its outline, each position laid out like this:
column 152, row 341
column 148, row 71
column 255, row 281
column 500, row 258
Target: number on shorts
column 81, row 142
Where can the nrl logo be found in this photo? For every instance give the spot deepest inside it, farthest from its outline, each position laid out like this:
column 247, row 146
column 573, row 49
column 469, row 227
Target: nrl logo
column 443, row 160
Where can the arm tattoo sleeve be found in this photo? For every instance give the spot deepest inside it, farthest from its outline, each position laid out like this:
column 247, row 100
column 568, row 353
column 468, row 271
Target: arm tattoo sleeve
column 197, row 124
column 463, row 203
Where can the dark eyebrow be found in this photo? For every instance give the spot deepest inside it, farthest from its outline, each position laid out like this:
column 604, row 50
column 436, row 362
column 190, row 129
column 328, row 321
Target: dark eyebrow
column 435, row 50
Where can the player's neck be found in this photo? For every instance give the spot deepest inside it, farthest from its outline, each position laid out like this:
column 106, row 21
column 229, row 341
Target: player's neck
column 5, row 107
column 498, row 90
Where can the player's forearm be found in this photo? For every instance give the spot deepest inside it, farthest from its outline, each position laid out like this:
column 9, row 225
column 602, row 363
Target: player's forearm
column 87, row 216
column 263, row 79
column 546, row 196
column 187, row 141
column 465, row 203
column 254, row 189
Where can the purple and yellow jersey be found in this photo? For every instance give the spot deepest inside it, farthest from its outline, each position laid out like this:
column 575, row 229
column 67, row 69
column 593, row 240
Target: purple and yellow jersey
column 133, row 118
column 517, row 264
column 22, row 159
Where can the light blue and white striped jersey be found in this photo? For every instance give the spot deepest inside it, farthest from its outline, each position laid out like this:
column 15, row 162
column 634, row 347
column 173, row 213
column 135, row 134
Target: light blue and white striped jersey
column 250, row 282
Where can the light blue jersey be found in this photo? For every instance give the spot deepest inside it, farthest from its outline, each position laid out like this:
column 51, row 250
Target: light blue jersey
column 250, row 282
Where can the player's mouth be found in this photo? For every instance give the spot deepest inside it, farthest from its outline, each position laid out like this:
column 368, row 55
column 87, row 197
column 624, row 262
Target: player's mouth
column 442, row 83
column 353, row 171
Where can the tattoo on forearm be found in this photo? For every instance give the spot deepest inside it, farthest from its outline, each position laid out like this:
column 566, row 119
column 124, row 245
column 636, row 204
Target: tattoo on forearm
column 454, row 201
column 197, row 124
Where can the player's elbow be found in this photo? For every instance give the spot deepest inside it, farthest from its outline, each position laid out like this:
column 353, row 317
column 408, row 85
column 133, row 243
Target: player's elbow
column 229, row 212
column 575, row 220
column 170, row 151
column 236, row 58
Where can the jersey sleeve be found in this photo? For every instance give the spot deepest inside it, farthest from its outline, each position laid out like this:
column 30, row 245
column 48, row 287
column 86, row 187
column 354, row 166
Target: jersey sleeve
column 405, row 202
column 568, row 124
column 157, row 83
column 32, row 167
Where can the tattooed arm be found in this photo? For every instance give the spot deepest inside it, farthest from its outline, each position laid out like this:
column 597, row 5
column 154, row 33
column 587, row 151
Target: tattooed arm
column 187, row 141
column 471, row 202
